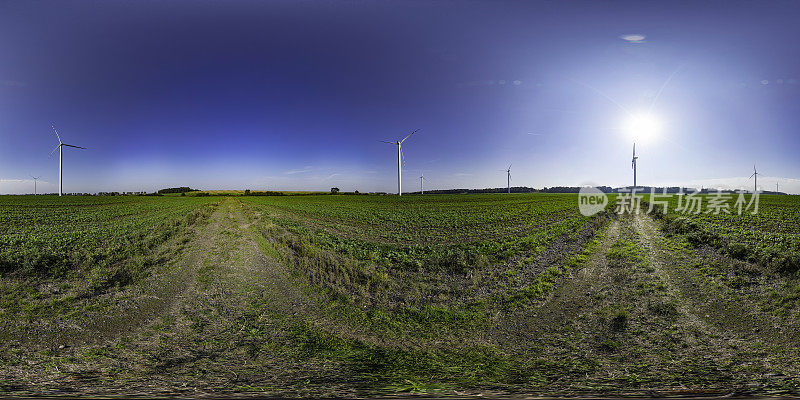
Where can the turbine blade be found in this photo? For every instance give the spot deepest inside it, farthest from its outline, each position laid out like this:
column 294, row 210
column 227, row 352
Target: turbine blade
column 383, row 141
column 404, row 139
column 78, row 147
column 751, row 176
column 54, row 130
column 54, row 150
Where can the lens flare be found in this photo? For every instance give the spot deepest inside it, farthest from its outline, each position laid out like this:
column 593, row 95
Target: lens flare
column 643, row 127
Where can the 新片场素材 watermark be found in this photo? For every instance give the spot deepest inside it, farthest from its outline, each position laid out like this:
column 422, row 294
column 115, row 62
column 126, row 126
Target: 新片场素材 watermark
column 592, row 200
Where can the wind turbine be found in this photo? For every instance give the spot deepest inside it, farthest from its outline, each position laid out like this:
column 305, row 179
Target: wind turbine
column 421, row 179
column 399, row 144
column 755, row 183
column 60, row 149
column 508, row 180
column 35, row 178
column 633, row 165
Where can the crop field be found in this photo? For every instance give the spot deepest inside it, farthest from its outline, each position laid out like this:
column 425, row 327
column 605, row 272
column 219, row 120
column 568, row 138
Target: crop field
column 421, row 247
column 344, row 295
column 56, row 251
column 767, row 236
column 47, row 235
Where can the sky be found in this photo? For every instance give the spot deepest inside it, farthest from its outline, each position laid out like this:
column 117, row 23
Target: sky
column 298, row 95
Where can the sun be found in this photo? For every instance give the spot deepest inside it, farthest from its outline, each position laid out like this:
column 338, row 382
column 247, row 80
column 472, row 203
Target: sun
column 643, row 127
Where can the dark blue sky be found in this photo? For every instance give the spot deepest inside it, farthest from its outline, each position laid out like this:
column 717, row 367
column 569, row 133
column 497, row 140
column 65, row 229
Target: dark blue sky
column 297, row 95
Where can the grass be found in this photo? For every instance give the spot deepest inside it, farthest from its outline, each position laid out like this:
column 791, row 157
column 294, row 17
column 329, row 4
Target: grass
column 770, row 237
column 365, row 295
column 59, row 256
column 366, row 246
column 626, row 250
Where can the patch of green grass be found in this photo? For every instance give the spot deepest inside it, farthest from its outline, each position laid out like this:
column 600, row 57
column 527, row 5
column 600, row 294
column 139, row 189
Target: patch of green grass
column 266, row 246
column 614, row 316
column 428, row 369
column 625, row 250
column 666, row 309
column 540, row 287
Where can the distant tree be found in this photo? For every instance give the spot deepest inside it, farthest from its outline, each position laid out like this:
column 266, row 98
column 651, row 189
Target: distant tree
column 182, row 189
column 267, row 193
column 334, row 190
column 247, row 192
column 356, row 192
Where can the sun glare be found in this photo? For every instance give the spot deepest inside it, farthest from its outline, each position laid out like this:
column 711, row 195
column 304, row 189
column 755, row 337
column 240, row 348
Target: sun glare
column 643, row 127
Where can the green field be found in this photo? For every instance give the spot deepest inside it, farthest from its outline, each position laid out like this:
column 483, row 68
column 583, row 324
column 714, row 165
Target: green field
column 414, row 249
column 770, row 236
column 51, row 236
column 342, row 295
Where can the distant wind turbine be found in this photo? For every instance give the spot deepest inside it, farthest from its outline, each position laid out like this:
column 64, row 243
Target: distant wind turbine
column 633, row 165
column 755, row 183
column 421, row 180
column 35, row 178
column 399, row 144
column 508, row 180
column 60, row 149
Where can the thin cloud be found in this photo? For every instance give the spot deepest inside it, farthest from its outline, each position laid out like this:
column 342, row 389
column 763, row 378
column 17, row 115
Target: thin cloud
column 331, row 176
column 298, row 171
column 633, row 38
column 490, row 82
column 786, row 185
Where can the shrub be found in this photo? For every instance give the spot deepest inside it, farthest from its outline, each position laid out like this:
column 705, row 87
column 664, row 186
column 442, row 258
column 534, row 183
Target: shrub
column 664, row 309
column 619, row 319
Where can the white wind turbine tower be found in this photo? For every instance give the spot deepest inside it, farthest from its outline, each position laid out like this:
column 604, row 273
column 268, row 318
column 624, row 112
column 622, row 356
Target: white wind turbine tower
column 633, row 165
column 399, row 144
column 60, row 149
column 508, row 179
column 755, row 183
column 35, row 178
column 421, row 180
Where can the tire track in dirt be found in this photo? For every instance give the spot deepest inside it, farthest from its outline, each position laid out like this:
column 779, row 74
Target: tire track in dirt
column 571, row 294
column 301, row 308
column 708, row 306
column 655, row 256
column 127, row 310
